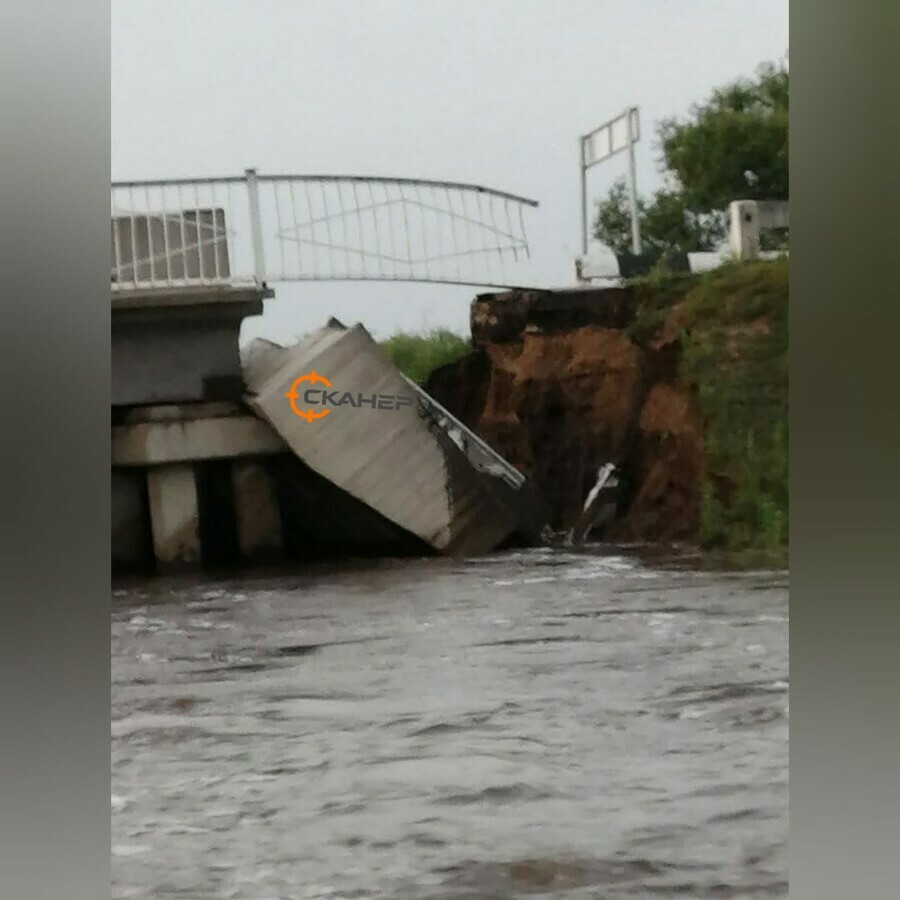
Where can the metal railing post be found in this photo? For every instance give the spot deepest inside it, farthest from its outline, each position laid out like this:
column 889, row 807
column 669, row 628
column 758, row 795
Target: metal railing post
column 632, row 184
column 584, row 209
column 259, row 260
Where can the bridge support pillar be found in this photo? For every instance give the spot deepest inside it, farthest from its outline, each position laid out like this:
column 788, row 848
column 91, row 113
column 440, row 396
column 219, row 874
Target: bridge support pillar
column 174, row 515
column 257, row 513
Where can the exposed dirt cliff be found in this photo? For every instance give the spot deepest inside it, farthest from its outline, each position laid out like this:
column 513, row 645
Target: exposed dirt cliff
column 682, row 383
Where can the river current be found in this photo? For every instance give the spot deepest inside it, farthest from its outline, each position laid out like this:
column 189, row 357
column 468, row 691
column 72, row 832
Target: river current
column 530, row 724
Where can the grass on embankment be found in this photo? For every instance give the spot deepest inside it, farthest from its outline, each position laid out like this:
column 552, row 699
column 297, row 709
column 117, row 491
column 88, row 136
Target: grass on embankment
column 418, row 355
column 734, row 340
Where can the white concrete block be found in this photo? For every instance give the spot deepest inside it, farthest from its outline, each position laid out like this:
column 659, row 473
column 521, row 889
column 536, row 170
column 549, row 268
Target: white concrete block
column 744, row 230
column 174, row 516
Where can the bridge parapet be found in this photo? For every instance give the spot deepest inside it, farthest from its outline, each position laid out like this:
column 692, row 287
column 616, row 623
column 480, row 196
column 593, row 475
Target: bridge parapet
column 251, row 230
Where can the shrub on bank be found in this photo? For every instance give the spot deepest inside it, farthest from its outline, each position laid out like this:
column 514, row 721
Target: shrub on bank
column 418, row 355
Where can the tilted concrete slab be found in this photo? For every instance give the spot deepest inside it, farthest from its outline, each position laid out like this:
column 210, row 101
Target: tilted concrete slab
column 260, row 359
column 394, row 460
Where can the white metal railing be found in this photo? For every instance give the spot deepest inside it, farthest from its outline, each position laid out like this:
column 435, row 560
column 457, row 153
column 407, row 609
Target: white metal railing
column 255, row 229
column 479, row 453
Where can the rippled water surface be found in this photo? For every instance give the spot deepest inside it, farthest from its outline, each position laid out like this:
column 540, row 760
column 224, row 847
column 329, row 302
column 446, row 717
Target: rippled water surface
column 527, row 725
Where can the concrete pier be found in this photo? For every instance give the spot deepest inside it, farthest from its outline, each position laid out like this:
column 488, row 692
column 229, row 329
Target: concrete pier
column 208, row 494
column 256, row 506
column 174, row 515
column 189, row 487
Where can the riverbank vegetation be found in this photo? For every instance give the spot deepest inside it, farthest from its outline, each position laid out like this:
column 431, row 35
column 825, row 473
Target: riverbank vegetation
column 732, row 326
column 733, row 146
column 729, row 331
column 418, row 355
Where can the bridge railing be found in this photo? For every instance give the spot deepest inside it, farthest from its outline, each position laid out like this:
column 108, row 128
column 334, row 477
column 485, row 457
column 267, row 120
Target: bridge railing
column 255, row 229
column 480, row 454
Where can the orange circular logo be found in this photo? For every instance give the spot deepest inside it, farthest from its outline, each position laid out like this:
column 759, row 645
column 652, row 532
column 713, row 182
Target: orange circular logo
column 294, row 393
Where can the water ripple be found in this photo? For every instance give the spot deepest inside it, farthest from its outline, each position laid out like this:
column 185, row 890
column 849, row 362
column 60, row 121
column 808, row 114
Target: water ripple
column 538, row 723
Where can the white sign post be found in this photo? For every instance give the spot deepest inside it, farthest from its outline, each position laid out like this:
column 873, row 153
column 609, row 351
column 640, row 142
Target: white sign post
column 620, row 133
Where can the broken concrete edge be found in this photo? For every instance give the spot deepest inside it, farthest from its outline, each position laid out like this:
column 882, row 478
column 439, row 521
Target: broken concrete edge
column 613, row 306
column 504, row 317
column 263, row 361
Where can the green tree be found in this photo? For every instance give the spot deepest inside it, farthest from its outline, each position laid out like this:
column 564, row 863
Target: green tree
column 666, row 223
column 732, row 147
column 613, row 222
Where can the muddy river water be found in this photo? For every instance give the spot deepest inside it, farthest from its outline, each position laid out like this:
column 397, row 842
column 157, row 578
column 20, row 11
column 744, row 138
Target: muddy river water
column 531, row 724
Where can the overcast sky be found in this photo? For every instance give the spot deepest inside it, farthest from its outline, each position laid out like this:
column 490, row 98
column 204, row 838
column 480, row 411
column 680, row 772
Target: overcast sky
column 494, row 92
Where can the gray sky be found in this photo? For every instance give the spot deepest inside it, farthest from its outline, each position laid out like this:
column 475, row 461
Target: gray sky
column 493, row 92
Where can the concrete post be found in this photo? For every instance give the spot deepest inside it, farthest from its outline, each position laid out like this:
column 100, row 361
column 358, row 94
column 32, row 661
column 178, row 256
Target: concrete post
column 174, row 515
column 256, row 510
column 743, row 231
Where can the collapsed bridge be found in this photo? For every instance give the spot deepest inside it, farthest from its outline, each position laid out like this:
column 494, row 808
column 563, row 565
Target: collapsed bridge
column 213, row 462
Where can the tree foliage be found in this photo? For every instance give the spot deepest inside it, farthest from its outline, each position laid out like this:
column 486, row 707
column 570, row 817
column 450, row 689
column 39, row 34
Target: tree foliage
column 732, row 147
column 735, row 146
column 666, row 223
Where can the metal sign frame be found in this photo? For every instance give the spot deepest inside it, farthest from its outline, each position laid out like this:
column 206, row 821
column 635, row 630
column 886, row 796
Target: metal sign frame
column 614, row 136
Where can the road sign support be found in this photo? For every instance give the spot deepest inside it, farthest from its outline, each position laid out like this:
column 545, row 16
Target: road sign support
column 610, row 138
